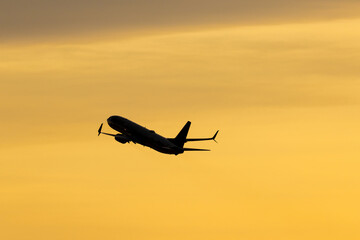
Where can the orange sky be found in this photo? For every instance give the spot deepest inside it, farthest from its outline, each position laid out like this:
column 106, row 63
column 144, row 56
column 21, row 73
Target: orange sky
column 285, row 97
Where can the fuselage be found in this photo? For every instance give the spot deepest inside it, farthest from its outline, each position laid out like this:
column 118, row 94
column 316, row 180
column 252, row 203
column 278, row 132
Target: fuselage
column 143, row 136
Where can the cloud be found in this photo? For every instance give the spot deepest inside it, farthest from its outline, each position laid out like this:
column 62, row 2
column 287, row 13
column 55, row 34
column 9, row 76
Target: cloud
column 28, row 19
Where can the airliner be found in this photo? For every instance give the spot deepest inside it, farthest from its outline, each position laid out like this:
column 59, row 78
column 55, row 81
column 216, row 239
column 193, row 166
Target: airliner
column 132, row 132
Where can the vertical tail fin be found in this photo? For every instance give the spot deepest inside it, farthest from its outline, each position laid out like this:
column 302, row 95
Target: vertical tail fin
column 180, row 139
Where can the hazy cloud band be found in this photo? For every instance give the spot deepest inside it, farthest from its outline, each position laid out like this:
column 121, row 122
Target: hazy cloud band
column 27, row 19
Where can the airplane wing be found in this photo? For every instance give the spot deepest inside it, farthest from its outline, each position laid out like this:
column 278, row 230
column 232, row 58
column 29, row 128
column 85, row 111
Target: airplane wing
column 202, row 139
column 100, row 132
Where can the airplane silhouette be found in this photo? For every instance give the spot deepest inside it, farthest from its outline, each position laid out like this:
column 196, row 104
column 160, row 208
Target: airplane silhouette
column 132, row 132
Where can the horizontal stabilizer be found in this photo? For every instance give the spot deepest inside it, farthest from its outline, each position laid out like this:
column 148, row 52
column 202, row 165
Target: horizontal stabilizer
column 195, row 149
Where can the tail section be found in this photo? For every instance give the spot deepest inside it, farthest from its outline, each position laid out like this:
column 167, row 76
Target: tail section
column 180, row 139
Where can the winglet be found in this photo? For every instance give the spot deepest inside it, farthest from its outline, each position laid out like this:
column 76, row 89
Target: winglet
column 99, row 131
column 213, row 138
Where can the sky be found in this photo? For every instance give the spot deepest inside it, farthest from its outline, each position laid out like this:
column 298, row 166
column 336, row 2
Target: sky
column 279, row 79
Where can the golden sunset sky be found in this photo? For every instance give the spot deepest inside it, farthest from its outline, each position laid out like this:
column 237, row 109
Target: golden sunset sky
column 279, row 79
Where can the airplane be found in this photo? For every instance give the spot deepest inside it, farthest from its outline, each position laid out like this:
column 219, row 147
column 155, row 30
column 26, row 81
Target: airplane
column 132, row 132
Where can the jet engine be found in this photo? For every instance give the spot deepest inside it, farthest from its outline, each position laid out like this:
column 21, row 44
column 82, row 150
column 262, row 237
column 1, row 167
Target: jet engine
column 121, row 138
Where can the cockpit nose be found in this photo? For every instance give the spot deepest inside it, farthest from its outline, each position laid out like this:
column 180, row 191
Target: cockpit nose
column 115, row 120
column 111, row 119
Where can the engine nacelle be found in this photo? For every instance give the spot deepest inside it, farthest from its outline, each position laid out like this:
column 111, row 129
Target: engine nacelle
column 121, row 138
